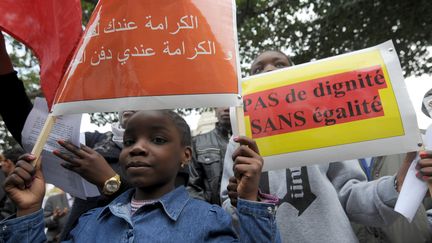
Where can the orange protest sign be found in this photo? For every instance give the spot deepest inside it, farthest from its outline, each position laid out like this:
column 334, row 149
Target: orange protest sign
column 342, row 107
column 170, row 49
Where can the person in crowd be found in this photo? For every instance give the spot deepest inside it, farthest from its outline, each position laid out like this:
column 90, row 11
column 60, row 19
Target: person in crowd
column 11, row 157
column 209, row 149
column 427, row 110
column 401, row 230
column 7, row 165
column 316, row 203
column 2, row 178
column 56, row 211
column 2, row 158
column 98, row 164
column 156, row 144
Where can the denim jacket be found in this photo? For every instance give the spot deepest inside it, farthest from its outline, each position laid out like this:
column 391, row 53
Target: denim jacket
column 175, row 217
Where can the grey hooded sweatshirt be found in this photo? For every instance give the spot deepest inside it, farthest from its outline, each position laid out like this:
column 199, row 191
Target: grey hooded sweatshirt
column 317, row 202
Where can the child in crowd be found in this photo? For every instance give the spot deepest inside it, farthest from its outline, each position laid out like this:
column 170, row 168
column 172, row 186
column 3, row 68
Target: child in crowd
column 156, row 145
column 98, row 164
column 316, row 203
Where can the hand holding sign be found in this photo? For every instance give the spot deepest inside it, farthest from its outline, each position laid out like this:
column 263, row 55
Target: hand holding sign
column 122, row 59
column 424, row 166
column 247, row 168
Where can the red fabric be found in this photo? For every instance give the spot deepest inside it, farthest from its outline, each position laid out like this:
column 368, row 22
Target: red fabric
column 51, row 28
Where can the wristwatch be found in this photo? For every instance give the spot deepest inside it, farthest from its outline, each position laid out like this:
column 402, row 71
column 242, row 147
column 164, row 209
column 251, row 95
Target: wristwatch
column 112, row 185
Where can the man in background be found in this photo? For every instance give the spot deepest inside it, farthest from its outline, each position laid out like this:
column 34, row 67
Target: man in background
column 205, row 171
column 10, row 157
column 56, row 211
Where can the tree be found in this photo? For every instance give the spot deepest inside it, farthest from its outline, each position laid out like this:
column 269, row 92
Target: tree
column 317, row 29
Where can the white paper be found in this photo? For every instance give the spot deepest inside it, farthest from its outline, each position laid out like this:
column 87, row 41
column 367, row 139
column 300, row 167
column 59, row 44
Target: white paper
column 413, row 189
column 65, row 128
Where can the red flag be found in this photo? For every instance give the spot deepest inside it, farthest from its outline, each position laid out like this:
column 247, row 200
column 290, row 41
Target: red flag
column 51, row 28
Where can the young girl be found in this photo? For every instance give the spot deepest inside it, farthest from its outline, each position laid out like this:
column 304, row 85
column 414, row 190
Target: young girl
column 156, row 145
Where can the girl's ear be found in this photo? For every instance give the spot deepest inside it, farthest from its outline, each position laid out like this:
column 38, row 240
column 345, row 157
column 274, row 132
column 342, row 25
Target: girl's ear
column 187, row 155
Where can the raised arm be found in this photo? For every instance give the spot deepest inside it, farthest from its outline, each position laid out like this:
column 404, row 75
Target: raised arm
column 369, row 203
column 26, row 188
column 256, row 220
column 15, row 106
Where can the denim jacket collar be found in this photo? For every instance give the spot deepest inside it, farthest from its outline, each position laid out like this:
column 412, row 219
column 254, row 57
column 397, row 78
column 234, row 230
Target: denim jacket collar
column 172, row 203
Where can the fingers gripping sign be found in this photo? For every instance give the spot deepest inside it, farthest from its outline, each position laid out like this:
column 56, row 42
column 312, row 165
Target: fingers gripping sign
column 26, row 186
column 86, row 162
column 424, row 166
column 247, row 168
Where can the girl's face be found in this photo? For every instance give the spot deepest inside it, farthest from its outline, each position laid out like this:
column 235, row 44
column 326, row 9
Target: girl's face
column 269, row 61
column 152, row 153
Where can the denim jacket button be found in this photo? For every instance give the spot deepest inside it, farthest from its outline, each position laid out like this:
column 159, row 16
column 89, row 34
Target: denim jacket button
column 270, row 210
column 4, row 228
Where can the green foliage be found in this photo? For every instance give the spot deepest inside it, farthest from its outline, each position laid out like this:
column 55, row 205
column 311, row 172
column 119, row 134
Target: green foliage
column 27, row 66
column 316, row 29
column 87, row 9
column 6, row 140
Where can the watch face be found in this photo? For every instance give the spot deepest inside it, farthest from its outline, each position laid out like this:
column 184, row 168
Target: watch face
column 112, row 186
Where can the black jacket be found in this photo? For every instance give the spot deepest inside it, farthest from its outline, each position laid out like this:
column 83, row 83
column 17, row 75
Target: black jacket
column 205, row 170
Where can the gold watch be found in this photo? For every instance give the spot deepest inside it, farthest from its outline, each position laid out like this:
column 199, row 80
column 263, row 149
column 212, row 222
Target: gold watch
column 112, row 185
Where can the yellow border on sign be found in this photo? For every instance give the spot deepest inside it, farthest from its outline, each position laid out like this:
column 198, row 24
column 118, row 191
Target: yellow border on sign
column 389, row 125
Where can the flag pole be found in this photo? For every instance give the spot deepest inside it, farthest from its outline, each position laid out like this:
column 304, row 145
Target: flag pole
column 240, row 121
column 42, row 138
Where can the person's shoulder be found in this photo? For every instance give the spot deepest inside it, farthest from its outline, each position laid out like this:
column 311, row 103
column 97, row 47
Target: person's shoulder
column 200, row 207
column 205, row 134
column 205, row 138
column 87, row 221
column 91, row 215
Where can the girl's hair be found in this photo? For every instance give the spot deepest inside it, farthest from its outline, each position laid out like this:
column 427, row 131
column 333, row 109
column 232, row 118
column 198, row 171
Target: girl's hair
column 182, row 127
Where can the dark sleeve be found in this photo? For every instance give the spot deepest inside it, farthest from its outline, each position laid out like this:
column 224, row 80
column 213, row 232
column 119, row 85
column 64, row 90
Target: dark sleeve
column 15, row 106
